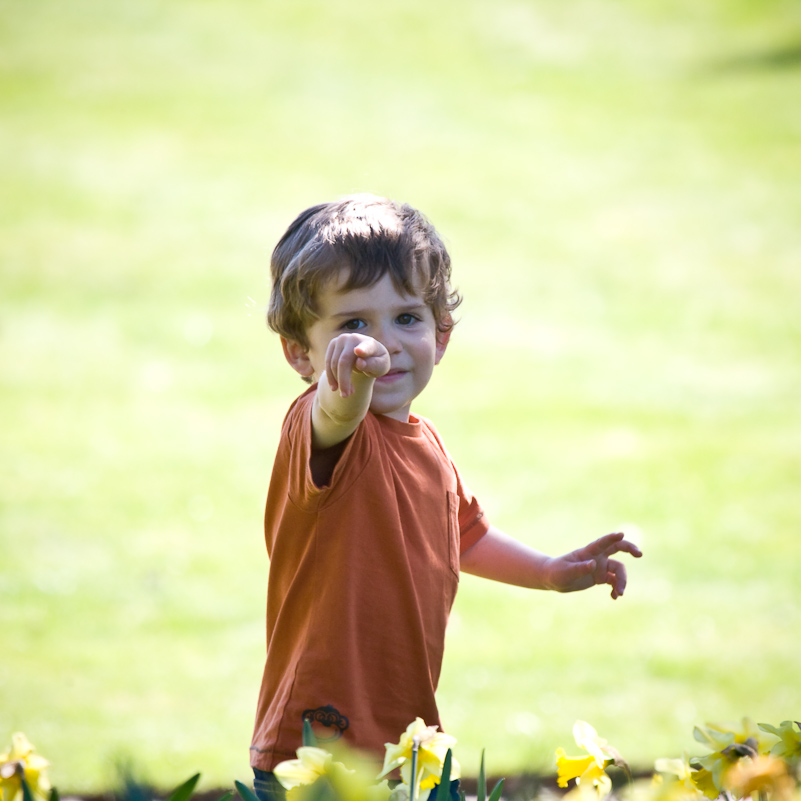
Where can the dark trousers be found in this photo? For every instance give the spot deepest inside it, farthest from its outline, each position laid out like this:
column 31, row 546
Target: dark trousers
column 268, row 788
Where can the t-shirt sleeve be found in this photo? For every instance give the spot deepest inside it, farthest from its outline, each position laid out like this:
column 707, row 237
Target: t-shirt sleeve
column 473, row 523
column 294, row 458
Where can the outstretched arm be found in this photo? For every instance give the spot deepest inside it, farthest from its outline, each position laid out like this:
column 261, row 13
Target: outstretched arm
column 498, row 557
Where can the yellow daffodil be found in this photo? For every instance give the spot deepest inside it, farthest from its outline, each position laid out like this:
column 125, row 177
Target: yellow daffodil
column 789, row 745
column 703, row 782
column 432, row 747
column 576, row 767
column 717, row 736
column 20, row 761
column 762, row 776
column 683, row 785
column 312, row 764
column 586, row 791
column 660, row 788
column 378, row 792
column 588, row 770
column 680, row 768
column 587, row 738
column 728, row 744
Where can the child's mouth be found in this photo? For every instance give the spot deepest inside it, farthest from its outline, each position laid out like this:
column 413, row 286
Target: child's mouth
column 392, row 375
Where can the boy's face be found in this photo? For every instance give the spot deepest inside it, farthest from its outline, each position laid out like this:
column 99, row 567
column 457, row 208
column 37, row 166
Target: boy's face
column 403, row 324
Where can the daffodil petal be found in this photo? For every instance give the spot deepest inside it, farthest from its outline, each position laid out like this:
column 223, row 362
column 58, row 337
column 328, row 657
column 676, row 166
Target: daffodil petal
column 593, row 773
column 292, row 772
column 571, row 767
column 587, row 738
column 20, row 746
column 307, row 768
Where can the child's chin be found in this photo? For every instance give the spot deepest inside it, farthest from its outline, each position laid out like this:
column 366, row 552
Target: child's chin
column 390, row 410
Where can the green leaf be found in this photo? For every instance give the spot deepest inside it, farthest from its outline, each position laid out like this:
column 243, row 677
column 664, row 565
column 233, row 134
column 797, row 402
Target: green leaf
column 481, row 790
column 54, row 796
column 245, row 793
column 27, row 795
column 497, row 790
column 445, row 779
column 184, row 792
column 227, row 797
column 308, row 734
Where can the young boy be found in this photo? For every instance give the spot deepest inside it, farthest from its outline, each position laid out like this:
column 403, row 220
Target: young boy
column 368, row 523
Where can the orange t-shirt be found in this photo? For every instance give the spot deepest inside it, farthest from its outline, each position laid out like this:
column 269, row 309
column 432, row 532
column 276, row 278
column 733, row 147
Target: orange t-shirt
column 363, row 574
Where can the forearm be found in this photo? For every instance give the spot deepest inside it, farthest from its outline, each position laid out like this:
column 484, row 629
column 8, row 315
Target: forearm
column 499, row 557
column 335, row 418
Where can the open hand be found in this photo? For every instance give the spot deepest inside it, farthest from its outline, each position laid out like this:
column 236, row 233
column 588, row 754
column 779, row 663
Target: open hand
column 349, row 353
column 592, row 565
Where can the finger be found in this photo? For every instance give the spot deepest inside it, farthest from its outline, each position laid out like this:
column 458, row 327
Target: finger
column 365, row 364
column 344, row 371
column 599, row 546
column 332, row 358
column 330, row 365
column 373, row 367
column 625, row 546
column 616, row 577
column 366, row 349
column 371, row 358
column 613, row 543
column 340, row 370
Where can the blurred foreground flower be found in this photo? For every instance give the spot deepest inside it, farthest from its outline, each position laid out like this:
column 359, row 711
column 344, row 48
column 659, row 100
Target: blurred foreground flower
column 432, row 747
column 679, row 768
column 315, row 774
column 20, row 762
column 789, row 745
column 311, row 764
column 765, row 776
column 588, row 770
column 687, row 781
column 728, row 744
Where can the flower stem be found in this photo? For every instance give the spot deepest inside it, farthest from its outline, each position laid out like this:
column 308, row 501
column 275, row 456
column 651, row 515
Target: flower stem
column 415, row 748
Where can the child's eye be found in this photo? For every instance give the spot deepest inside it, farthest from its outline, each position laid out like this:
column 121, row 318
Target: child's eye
column 406, row 319
column 353, row 325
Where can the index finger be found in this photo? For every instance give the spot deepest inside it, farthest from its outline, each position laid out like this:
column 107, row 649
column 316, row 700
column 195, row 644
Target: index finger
column 614, row 543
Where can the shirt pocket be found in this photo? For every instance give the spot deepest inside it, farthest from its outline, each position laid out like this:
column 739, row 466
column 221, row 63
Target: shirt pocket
column 453, row 532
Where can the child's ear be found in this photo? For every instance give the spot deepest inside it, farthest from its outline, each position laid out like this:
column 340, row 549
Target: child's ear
column 298, row 357
column 443, row 337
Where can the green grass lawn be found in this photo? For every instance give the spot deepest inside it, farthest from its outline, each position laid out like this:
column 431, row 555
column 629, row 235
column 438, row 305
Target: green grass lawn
column 619, row 183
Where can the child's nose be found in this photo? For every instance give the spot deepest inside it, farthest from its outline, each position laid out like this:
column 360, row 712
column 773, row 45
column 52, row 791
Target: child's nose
column 389, row 339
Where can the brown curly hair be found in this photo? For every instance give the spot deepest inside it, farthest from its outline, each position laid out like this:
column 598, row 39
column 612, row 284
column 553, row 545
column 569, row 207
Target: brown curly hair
column 369, row 236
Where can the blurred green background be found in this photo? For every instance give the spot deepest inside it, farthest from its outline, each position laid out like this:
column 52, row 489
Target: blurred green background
column 619, row 182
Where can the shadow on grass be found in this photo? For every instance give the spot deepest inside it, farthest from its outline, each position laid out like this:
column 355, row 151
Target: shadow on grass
column 781, row 57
